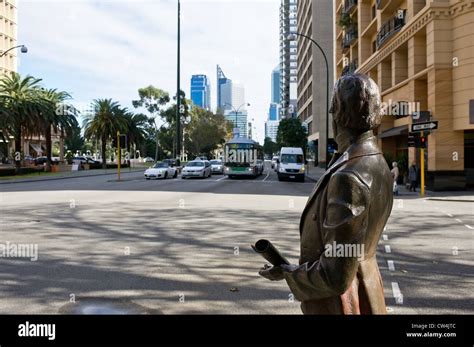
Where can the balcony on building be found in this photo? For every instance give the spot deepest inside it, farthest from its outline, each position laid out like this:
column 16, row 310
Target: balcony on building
column 350, row 37
column 349, row 6
column 389, row 28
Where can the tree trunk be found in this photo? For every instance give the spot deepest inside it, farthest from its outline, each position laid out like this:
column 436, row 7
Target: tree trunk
column 49, row 147
column 104, row 150
column 156, row 147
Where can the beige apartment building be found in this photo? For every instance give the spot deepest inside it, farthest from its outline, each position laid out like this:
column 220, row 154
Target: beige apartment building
column 421, row 54
column 8, row 35
column 315, row 20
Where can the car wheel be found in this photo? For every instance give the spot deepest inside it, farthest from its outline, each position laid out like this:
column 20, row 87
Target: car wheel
column 182, row 177
column 166, row 174
column 210, row 174
column 175, row 174
column 147, row 178
column 280, row 178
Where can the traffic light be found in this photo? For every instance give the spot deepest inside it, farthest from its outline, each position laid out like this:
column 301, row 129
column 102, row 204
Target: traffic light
column 123, row 142
column 422, row 141
column 414, row 140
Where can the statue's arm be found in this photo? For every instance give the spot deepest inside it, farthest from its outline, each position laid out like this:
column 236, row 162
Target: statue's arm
column 344, row 223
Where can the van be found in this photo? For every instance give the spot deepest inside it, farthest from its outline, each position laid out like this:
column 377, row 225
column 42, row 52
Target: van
column 291, row 164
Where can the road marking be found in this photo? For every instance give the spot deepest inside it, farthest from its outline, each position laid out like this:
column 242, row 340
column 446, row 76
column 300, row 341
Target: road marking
column 388, row 249
column 222, row 178
column 397, row 294
column 385, row 237
column 458, row 220
column 449, row 215
column 268, row 174
column 391, row 265
column 468, row 226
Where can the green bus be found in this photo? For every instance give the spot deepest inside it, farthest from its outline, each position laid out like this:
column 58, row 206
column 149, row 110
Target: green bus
column 243, row 157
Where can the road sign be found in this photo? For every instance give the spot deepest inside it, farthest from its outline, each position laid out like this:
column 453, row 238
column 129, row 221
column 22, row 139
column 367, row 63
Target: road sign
column 419, row 127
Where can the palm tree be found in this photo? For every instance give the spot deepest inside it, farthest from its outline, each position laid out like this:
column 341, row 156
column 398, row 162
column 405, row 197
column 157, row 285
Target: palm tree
column 104, row 122
column 20, row 109
column 56, row 115
column 135, row 131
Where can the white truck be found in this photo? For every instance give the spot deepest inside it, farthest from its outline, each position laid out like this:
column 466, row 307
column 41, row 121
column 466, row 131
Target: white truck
column 291, row 164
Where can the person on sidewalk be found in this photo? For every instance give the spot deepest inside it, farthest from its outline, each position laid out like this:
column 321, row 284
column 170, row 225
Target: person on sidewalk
column 413, row 177
column 395, row 173
column 349, row 207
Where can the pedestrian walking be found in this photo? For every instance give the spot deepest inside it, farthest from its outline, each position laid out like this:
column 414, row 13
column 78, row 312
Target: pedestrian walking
column 413, row 177
column 395, row 173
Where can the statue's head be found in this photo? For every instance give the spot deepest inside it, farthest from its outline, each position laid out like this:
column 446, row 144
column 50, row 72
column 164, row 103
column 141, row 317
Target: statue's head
column 356, row 104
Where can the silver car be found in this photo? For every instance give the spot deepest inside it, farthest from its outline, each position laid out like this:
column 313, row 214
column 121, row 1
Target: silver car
column 217, row 167
column 197, row 168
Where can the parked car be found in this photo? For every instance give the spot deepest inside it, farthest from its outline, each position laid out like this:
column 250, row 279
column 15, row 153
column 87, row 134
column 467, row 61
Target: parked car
column 203, row 158
column 217, row 167
column 161, row 170
column 174, row 163
column 85, row 160
column 291, row 164
column 43, row 160
column 197, row 168
column 275, row 162
column 148, row 160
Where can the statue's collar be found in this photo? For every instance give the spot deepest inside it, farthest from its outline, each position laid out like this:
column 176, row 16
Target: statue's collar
column 365, row 145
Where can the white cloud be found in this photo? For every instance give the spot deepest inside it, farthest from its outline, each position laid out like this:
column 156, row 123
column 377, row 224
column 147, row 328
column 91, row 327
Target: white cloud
column 111, row 48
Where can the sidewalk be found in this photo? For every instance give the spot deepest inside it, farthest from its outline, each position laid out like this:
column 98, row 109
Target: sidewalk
column 67, row 175
column 314, row 173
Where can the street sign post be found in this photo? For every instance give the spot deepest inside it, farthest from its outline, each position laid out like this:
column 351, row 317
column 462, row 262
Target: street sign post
column 420, row 127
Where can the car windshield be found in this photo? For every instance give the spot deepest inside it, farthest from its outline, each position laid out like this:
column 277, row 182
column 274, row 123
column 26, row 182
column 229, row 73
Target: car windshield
column 292, row 159
column 216, row 162
column 195, row 164
column 160, row 166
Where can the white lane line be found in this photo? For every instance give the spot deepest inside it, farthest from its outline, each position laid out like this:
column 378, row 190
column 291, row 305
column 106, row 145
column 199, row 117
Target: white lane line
column 391, row 265
column 385, row 237
column 268, row 174
column 222, row 178
column 397, row 294
column 468, row 226
column 449, row 215
column 458, row 220
column 388, row 249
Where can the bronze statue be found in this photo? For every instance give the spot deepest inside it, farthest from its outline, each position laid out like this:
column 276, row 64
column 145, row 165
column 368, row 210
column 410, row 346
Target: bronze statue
column 348, row 207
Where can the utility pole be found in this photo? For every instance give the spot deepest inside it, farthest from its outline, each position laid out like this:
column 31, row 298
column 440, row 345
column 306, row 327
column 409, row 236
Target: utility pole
column 178, row 98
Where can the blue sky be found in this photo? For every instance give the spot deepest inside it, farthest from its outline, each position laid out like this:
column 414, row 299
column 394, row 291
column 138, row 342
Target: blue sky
column 109, row 49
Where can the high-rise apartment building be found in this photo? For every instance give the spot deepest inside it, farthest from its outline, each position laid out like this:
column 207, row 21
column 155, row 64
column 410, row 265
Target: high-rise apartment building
column 276, row 85
column 8, row 36
column 421, row 54
column 201, row 91
column 288, row 58
column 315, row 20
column 240, row 121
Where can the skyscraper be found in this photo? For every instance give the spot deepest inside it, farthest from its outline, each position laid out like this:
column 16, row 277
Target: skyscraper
column 222, row 80
column 288, row 58
column 276, row 85
column 201, row 91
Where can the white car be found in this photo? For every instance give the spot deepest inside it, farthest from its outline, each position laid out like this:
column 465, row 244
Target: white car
column 217, row 167
column 197, row 168
column 161, row 170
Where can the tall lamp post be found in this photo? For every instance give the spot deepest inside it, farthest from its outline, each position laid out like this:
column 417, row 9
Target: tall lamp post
column 24, row 49
column 292, row 37
column 178, row 97
column 237, row 111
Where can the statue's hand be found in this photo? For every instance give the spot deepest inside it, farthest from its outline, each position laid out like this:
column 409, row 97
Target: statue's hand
column 276, row 273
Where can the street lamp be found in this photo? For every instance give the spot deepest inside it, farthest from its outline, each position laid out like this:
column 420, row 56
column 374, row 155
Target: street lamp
column 292, row 37
column 178, row 92
column 238, row 109
column 23, row 49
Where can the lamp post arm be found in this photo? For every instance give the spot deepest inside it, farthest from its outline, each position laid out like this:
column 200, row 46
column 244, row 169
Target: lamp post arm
column 10, row 49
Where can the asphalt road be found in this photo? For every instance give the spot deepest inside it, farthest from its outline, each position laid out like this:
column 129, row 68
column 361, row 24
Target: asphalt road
column 183, row 246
